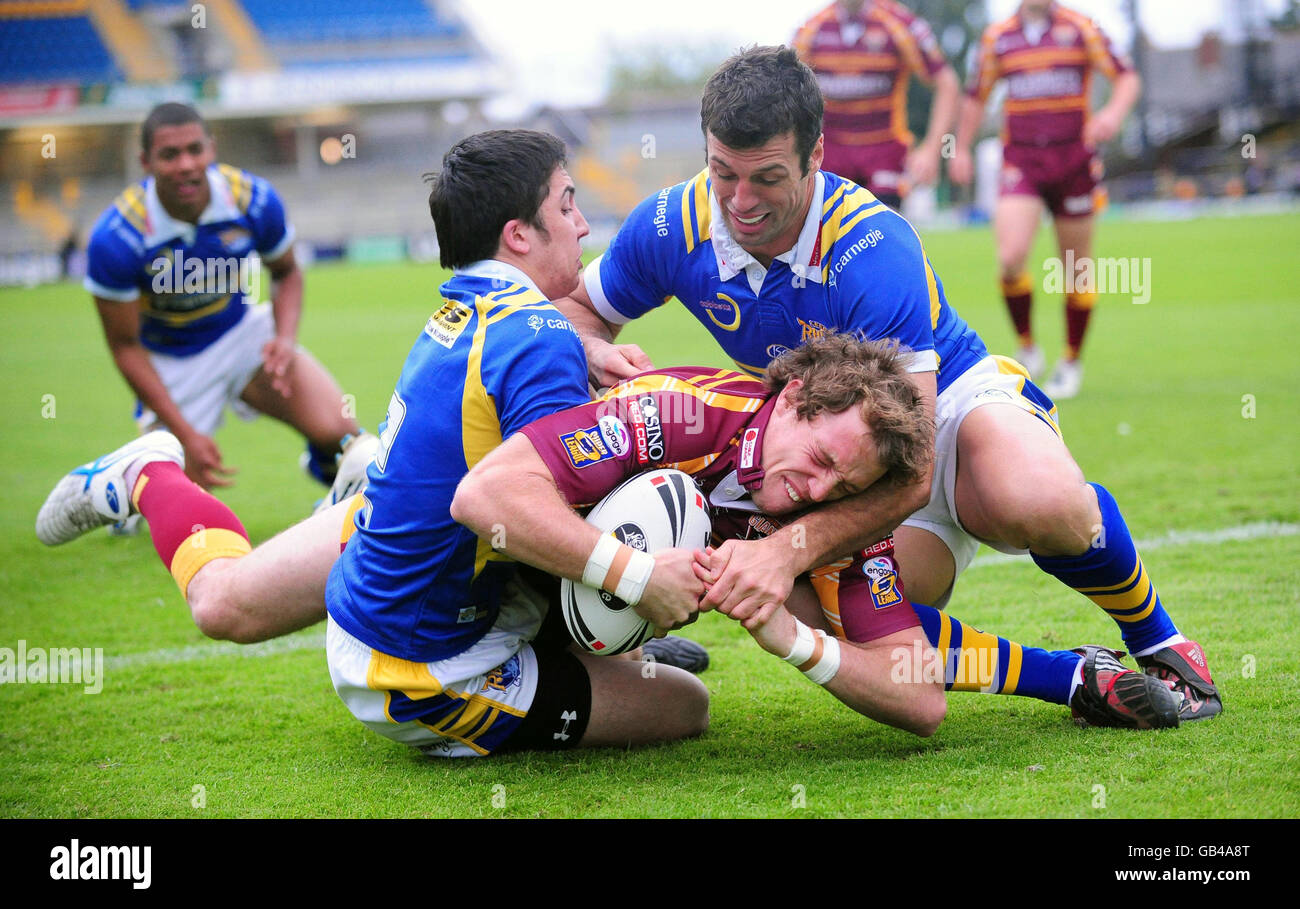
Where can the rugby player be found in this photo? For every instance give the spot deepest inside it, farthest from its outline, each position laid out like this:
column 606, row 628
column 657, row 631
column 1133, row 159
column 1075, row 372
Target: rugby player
column 864, row 52
column 767, row 251
column 429, row 630
column 168, row 267
column 831, row 419
column 1047, row 54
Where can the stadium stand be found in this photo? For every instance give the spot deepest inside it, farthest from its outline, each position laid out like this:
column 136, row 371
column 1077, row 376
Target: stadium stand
column 50, row 42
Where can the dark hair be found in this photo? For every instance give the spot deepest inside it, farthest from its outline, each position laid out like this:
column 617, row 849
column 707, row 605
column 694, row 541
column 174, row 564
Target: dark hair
column 487, row 180
column 838, row 372
column 760, row 93
column 169, row 113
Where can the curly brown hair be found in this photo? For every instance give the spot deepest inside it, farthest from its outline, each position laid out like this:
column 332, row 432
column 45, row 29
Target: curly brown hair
column 838, row 372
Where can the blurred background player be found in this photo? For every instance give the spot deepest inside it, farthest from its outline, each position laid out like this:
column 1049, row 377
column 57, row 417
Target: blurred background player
column 169, row 268
column 1047, row 54
column 863, row 52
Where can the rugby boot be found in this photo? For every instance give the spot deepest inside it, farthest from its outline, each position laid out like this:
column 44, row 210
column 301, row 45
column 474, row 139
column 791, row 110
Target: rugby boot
column 1112, row 695
column 1183, row 667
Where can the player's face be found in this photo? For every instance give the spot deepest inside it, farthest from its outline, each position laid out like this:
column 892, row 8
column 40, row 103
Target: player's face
column 810, row 461
column 178, row 160
column 762, row 192
column 1035, row 7
column 559, row 250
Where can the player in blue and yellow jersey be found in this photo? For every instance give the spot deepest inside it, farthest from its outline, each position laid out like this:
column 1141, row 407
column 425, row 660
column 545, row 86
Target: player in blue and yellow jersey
column 766, row 250
column 169, row 267
column 434, row 639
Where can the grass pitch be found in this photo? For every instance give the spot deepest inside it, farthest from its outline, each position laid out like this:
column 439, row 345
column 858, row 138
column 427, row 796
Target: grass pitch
column 1190, row 415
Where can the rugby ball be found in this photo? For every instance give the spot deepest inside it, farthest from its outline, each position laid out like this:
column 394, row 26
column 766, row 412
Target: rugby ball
column 657, row 510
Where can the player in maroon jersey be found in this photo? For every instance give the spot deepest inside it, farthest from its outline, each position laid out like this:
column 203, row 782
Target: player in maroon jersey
column 1047, row 54
column 834, row 417
column 864, row 52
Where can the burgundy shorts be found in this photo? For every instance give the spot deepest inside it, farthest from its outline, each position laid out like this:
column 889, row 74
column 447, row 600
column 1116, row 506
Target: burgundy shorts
column 878, row 167
column 1064, row 176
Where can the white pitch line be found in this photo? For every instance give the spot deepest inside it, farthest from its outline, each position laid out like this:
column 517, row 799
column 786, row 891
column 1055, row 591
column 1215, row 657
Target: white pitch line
column 1258, row 530
column 316, row 641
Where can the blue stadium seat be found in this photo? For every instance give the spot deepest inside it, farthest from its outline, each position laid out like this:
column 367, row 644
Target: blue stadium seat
column 319, row 21
column 52, row 49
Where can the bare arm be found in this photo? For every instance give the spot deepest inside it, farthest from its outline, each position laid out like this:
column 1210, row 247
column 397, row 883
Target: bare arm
column 510, row 497
column 923, row 161
column 121, row 323
column 286, row 306
column 607, row 363
column 879, row 679
column 1105, row 124
column 961, row 168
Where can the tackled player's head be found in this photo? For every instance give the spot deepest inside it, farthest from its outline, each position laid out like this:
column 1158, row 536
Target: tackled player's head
column 760, row 94
column 486, row 181
column 846, row 416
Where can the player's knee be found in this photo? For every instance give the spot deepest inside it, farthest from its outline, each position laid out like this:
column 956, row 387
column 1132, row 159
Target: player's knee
column 694, row 707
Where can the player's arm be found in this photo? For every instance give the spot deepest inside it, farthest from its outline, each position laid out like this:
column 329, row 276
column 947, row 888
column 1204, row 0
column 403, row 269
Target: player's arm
column 923, row 160
column 286, row 307
column 868, row 678
column 512, row 499
column 961, row 168
column 607, row 363
column 1105, row 124
column 750, row 577
column 121, row 321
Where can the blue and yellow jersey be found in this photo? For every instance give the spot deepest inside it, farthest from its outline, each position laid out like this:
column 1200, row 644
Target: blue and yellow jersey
column 858, row 267
column 191, row 279
column 412, row 583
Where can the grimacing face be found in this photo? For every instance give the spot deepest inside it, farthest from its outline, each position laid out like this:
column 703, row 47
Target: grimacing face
column 806, row 462
column 763, row 192
column 178, row 160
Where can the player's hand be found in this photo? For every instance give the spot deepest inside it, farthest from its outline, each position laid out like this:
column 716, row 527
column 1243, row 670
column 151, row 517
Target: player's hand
column 1101, row 128
column 961, row 168
column 922, row 165
column 746, row 579
column 277, row 361
column 672, row 596
column 610, row 364
column 203, row 462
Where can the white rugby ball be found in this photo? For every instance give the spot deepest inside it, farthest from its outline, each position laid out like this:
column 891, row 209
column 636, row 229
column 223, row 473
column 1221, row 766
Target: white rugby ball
column 657, row 510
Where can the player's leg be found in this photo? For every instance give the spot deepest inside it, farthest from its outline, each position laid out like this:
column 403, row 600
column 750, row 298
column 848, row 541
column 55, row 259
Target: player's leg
column 1017, row 484
column 314, row 407
column 1015, row 222
column 1074, row 239
column 636, row 703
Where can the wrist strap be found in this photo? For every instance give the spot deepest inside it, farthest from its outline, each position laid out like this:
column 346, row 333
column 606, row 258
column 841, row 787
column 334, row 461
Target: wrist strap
column 618, row 569
column 816, row 653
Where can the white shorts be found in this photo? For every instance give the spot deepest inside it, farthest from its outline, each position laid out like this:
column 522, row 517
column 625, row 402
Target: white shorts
column 993, row 380
column 465, row 706
column 202, row 385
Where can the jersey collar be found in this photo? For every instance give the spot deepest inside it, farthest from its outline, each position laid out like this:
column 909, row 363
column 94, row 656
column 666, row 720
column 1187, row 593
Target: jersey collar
column 495, row 268
column 733, row 490
column 804, row 260
column 161, row 226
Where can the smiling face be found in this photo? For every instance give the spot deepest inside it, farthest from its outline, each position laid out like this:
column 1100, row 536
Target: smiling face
column 554, row 257
column 763, row 192
column 178, row 160
column 806, row 462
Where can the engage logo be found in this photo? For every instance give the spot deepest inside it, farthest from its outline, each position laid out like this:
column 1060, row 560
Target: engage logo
column 50, row 666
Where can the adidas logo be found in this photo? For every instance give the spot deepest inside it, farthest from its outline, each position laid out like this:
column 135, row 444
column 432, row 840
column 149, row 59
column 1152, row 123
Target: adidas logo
column 1196, row 656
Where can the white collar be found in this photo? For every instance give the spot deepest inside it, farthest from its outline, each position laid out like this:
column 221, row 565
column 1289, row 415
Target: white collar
column 495, row 268
column 732, row 258
column 163, row 227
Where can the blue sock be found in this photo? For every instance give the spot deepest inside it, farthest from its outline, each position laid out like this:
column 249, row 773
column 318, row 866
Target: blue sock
column 1112, row 575
column 321, row 464
column 978, row 661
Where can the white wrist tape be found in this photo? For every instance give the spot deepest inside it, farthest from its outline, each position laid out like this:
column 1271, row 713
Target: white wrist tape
column 824, row 670
column 804, row 644
column 619, row 569
column 816, row 653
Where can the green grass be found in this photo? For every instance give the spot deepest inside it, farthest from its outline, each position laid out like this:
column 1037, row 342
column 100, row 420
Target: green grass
column 1160, row 423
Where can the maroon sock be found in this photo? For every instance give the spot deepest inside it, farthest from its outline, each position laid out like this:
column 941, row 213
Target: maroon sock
column 190, row 527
